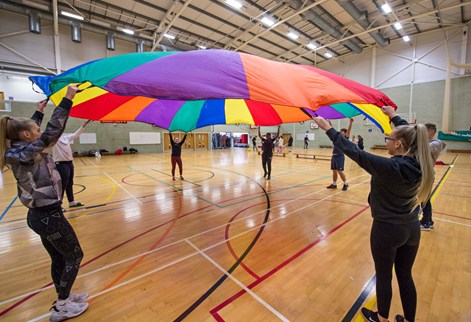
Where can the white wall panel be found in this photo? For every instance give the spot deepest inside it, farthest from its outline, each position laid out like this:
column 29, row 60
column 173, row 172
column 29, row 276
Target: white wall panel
column 92, row 47
column 358, row 67
column 38, row 48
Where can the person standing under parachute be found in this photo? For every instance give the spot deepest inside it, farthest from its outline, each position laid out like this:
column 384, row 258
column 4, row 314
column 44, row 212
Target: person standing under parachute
column 177, row 155
column 267, row 154
column 399, row 185
column 22, row 148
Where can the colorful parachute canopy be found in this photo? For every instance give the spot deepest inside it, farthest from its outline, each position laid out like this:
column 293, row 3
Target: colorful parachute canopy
column 188, row 90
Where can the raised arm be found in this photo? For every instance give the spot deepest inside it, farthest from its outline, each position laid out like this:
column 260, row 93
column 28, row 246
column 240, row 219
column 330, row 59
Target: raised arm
column 39, row 114
column 277, row 133
column 183, row 140
column 77, row 133
column 259, row 135
column 393, row 117
column 349, row 129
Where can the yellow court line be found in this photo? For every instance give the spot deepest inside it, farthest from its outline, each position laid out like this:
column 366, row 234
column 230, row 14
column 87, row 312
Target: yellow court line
column 369, row 304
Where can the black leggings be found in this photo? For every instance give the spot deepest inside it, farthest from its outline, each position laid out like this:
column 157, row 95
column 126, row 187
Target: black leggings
column 395, row 245
column 266, row 161
column 427, row 213
column 60, row 241
column 66, row 171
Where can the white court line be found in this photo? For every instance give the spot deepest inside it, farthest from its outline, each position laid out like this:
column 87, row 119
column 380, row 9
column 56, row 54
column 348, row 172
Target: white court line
column 245, row 288
column 202, row 233
column 119, row 185
column 127, row 282
column 452, row 222
column 194, row 254
column 92, row 163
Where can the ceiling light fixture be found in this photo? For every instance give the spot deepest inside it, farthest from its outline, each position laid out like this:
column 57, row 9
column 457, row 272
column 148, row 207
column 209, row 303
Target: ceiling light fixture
column 201, row 47
column 406, row 38
column 267, row 21
column 311, row 46
column 292, row 35
column 71, row 15
column 328, row 55
column 397, row 26
column 126, row 31
column 234, row 3
column 386, row 8
column 169, row 36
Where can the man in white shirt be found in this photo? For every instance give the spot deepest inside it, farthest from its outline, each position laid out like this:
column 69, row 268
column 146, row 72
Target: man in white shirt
column 63, row 157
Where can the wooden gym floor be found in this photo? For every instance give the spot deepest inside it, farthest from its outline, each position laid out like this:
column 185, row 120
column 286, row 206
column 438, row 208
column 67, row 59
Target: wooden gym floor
column 227, row 245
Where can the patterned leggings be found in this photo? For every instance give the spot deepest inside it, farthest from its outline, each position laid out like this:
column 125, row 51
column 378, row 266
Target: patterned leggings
column 60, row 241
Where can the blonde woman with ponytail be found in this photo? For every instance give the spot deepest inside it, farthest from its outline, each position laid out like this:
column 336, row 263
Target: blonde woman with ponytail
column 399, row 186
column 23, row 150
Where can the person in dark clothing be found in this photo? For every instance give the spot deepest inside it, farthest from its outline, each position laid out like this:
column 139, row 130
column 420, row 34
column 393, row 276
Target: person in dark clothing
column 254, row 143
column 337, row 162
column 290, row 143
column 267, row 154
column 177, row 155
column 22, row 149
column 361, row 145
column 399, row 185
column 306, row 140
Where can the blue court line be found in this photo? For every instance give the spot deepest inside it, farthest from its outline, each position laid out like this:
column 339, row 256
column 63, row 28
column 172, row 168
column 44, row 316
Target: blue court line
column 8, row 208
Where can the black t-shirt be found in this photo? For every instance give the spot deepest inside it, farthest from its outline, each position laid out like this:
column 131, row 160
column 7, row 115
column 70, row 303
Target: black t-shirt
column 176, row 147
column 267, row 146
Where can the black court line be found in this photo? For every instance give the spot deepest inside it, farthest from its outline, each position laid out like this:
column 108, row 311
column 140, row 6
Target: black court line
column 235, row 265
column 360, row 300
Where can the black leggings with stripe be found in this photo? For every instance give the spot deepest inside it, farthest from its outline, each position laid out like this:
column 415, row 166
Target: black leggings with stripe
column 395, row 245
column 60, row 241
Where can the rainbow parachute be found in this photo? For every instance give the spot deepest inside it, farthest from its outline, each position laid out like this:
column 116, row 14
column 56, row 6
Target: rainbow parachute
column 188, row 90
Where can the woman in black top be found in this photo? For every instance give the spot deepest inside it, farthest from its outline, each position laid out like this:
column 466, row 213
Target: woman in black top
column 267, row 154
column 399, row 185
column 176, row 155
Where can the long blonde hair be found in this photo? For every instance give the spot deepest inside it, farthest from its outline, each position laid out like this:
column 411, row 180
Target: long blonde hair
column 10, row 130
column 416, row 142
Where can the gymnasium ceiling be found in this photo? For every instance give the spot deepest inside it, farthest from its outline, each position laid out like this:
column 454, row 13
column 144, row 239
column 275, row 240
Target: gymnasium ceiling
column 337, row 27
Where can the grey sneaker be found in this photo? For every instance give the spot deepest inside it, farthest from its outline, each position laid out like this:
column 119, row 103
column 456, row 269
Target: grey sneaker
column 67, row 310
column 78, row 298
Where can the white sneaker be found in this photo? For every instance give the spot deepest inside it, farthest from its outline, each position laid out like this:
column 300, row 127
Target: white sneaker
column 67, row 310
column 78, row 298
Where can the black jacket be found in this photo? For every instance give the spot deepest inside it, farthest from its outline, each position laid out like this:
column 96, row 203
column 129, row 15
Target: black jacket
column 394, row 181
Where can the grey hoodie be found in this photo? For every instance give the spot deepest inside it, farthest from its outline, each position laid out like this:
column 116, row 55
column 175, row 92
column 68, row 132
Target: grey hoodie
column 39, row 183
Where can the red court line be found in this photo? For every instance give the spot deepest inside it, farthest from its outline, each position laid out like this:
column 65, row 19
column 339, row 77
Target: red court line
column 228, row 241
column 455, row 216
column 11, row 307
column 140, row 259
column 214, row 311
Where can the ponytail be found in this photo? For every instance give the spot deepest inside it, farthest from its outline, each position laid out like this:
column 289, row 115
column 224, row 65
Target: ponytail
column 415, row 141
column 426, row 164
column 10, row 129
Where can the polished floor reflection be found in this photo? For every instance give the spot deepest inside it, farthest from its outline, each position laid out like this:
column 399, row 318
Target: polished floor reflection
column 226, row 244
